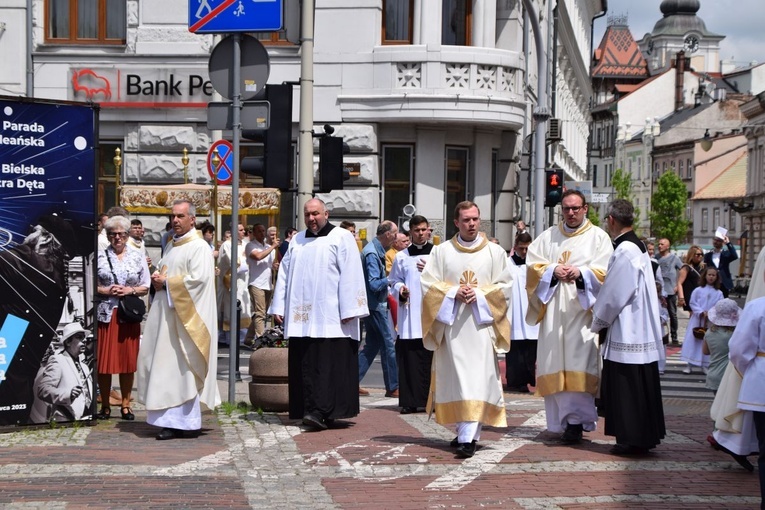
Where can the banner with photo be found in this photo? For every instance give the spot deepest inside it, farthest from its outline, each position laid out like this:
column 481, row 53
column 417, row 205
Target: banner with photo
column 47, row 239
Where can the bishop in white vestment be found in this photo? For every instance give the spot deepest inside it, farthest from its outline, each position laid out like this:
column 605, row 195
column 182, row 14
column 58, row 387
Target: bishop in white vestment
column 177, row 361
column 566, row 266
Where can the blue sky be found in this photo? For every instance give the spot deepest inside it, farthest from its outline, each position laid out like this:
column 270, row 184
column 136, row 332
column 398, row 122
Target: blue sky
column 740, row 21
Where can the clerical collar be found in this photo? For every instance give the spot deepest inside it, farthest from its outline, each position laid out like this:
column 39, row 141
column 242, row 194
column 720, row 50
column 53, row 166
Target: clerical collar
column 470, row 244
column 325, row 230
column 423, row 249
column 518, row 261
column 570, row 230
column 419, row 246
column 630, row 237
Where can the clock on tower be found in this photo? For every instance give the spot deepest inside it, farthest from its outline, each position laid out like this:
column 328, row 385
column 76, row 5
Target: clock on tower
column 691, row 44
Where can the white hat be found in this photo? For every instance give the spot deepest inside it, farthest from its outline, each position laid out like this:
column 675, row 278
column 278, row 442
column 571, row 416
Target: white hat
column 72, row 329
column 724, row 313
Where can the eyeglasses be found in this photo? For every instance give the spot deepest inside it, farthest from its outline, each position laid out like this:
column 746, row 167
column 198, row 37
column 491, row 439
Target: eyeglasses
column 699, row 254
column 572, row 209
column 114, row 235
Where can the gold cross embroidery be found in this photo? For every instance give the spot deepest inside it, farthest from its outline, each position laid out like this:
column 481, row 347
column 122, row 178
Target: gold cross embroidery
column 468, row 278
column 564, row 257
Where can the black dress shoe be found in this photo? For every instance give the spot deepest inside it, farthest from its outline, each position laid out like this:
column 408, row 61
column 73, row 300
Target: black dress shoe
column 104, row 414
column 408, row 410
column 455, row 442
column 127, row 414
column 573, row 434
column 741, row 459
column 168, row 433
column 467, row 450
column 313, row 421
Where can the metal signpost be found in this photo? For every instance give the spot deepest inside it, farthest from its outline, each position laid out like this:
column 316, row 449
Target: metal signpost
column 237, row 71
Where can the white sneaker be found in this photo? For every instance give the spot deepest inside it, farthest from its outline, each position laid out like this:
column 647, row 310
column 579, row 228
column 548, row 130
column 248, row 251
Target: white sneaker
column 687, row 370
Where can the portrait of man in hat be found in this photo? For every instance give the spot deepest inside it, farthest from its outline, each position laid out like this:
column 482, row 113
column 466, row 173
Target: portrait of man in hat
column 63, row 388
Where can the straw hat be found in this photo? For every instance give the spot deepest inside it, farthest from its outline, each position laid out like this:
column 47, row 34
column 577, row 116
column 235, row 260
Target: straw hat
column 724, row 313
column 72, row 329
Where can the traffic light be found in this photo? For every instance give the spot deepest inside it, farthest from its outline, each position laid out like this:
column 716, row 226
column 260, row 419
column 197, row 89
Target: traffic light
column 553, row 187
column 331, row 174
column 275, row 166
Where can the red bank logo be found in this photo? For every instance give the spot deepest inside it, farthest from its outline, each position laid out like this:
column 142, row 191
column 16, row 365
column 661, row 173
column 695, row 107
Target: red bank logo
column 91, row 84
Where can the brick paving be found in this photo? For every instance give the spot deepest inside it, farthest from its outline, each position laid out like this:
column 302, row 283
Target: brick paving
column 380, row 459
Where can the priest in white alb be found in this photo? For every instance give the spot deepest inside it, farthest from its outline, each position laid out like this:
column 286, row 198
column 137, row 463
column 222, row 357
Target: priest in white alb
column 177, row 361
column 412, row 358
column 319, row 297
column 466, row 288
column 565, row 268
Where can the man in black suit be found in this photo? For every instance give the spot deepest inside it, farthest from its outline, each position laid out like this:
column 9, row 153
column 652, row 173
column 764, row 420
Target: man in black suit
column 721, row 259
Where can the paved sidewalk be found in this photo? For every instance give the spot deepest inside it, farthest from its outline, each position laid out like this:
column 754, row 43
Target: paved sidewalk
column 382, row 459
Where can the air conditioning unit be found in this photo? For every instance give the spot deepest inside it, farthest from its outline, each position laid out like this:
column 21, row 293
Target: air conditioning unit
column 554, row 130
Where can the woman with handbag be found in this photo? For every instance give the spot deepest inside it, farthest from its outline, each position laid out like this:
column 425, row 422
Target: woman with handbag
column 123, row 276
column 703, row 298
column 689, row 276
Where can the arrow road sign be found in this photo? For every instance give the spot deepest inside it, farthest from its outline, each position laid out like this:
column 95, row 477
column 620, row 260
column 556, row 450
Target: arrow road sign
column 221, row 16
column 225, row 171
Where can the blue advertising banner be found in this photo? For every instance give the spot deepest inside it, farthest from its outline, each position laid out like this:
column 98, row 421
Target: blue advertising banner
column 47, row 211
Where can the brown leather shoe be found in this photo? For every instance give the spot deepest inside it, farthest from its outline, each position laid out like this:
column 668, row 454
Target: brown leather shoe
column 363, row 392
column 392, row 394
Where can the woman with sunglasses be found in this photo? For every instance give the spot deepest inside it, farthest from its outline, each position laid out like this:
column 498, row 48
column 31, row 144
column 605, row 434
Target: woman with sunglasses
column 688, row 276
column 121, row 271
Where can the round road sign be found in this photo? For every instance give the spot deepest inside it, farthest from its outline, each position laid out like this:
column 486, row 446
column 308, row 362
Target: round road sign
column 225, row 171
column 254, row 67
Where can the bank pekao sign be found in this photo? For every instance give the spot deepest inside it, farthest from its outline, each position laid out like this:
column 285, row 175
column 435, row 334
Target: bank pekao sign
column 134, row 86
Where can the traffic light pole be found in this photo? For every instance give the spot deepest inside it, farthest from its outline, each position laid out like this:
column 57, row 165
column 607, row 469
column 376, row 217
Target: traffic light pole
column 305, row 127
column 541, row 115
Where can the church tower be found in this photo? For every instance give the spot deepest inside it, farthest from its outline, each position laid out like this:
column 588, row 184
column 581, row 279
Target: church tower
column 681, row 29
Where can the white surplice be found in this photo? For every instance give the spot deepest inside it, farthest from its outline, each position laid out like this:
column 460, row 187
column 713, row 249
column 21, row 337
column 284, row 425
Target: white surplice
column 316, row 301
column 404, row 272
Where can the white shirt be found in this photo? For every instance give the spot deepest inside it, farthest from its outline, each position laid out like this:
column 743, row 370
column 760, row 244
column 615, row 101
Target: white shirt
column 260, row 270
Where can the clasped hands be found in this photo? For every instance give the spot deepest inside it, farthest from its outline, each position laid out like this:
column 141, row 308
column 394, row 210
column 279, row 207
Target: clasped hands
column 119, row 290
column 465, row 294
column 158, row 280
column 566, row 273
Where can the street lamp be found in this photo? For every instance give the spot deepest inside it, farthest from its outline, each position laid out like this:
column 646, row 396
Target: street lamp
column 706, row 142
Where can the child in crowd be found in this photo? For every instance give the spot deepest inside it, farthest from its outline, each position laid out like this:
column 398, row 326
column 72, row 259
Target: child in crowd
column 703, row 298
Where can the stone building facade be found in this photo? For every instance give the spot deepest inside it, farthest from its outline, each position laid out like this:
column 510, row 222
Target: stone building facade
column 433, row 97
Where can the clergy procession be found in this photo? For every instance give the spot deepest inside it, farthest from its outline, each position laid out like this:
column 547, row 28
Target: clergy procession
column 577, row 315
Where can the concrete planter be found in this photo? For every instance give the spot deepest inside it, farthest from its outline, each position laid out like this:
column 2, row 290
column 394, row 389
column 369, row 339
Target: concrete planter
column 269, row 390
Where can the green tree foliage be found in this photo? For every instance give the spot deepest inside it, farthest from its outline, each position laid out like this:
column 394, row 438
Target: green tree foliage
column 593, row 216
column 621, row 181
column 668, row 205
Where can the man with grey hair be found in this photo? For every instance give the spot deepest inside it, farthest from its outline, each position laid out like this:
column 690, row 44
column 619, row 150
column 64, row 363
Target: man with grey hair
column 627, row 311
column 379, row 337
column 177, row 362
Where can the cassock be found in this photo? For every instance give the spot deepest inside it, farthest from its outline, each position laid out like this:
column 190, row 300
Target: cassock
column 320, row 283
column 224, row 286
column 177, row 361
column 702, row 300
column 628, row 306
column 466, row 383
column 568, row 364
column 520, row 362
column 412, row 358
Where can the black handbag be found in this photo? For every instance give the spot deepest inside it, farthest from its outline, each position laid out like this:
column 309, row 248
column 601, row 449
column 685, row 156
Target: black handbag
column 131, row 308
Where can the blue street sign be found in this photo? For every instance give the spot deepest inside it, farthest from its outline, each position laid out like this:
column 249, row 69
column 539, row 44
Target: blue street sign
column 221, row 16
